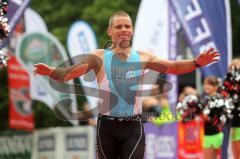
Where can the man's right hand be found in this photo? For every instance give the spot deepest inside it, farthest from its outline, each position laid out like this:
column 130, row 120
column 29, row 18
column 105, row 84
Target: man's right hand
column 42, row 69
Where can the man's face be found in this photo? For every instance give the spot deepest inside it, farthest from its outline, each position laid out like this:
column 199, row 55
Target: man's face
column 121, row 29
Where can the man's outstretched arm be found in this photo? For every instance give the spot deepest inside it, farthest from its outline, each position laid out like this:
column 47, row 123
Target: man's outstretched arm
column 67, row 73
column 182, row 66
column 60, row 74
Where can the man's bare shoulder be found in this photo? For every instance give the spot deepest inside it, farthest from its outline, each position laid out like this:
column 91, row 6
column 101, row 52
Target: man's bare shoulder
column 98, row 58
column 99, row 53
column 96, row 55
column 145, row 55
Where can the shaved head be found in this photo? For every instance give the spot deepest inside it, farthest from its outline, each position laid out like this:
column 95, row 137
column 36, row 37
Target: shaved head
column 117, row 14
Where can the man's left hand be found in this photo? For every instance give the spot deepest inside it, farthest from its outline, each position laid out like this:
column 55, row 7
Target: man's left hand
column 207, row 57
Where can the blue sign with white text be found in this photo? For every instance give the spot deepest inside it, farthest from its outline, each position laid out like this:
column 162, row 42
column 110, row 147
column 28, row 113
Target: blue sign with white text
column 207, row 24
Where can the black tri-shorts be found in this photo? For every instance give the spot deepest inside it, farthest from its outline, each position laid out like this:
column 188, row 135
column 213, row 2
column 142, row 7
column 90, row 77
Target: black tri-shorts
column 120, row 138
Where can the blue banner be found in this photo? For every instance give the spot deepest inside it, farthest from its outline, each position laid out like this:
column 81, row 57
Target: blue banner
column 207, row 24
column 161, row 141
column 15, row 11
column 82, row 40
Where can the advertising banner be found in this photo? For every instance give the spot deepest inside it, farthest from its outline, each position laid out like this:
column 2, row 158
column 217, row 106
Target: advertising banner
column 200, row 20
column 15, row 145
column 82, row 40
column 20, row 104
column 190, row 138
column 64, row 143
column 161, row 141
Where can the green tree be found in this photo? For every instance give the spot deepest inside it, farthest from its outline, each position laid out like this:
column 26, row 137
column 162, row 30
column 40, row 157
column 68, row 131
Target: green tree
column 60, row 14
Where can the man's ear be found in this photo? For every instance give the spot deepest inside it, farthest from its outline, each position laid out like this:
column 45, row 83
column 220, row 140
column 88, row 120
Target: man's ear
column 109, row 31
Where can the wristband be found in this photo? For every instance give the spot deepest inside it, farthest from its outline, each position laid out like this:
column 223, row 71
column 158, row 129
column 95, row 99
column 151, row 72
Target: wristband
column 195, row 63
